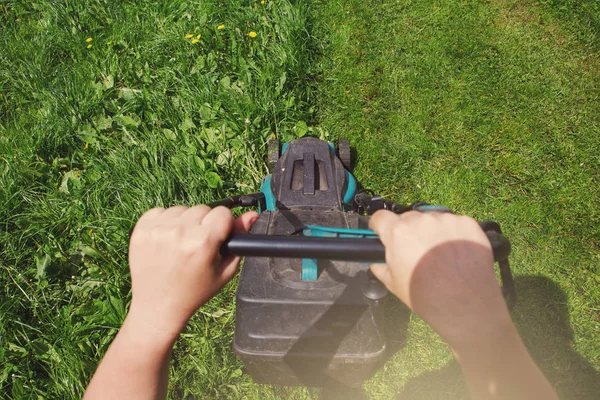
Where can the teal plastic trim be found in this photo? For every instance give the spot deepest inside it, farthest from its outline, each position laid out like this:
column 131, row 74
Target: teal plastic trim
column 326, row 231
column 310, row 269
column 350, row 189
column 265, row 188
column 332, row 147
column 433, row 208
column 309, row 265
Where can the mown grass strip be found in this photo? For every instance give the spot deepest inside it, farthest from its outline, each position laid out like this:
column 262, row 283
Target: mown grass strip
column 490, row 108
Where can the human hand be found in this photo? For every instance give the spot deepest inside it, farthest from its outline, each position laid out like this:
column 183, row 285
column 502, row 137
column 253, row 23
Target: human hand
column 176, row 266
column 441, row 266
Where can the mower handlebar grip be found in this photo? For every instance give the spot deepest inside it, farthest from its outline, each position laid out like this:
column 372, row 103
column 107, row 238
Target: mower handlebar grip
column 341, row 249
column 352, row 249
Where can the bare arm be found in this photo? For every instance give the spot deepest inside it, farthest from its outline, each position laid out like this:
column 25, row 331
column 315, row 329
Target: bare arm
column 135, row 366
column 441, row 266
column 175, row 268
column 503, row 369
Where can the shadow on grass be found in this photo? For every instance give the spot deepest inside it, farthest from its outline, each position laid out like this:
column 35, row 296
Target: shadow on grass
column 542, row 318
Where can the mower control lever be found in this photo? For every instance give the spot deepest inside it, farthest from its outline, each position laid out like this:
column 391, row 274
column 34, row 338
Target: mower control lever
column 367, row 203
column 244, row 200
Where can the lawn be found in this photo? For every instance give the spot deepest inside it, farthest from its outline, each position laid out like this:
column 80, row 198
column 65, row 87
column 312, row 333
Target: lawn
column 489, row 107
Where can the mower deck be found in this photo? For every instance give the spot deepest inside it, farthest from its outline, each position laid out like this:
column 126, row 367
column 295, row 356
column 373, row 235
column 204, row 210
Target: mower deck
column 291, row 331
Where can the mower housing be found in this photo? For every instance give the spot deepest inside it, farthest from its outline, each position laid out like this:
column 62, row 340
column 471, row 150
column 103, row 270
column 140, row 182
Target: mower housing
column 293, row 331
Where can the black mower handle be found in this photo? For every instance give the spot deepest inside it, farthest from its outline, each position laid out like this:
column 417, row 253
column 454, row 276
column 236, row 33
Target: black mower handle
column 330, row 248
column 346, row 249
column 342, row 249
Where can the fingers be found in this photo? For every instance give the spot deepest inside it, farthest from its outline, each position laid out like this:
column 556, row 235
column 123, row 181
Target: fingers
column 397, row 233
column 383, row 222
column 192, row 215
column 150, row 216
column 244, row 222
column 228, row 268
column 210, row 227
column 387, row 225
column 220, row 223
column 170, row 214
column 158, row 215
column 383, row 273
column 230, row 265
column 380, row 220
column 195, row 215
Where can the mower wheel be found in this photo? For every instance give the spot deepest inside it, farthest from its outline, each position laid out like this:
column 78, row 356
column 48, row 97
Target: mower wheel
column 344, row 153
column 273, row 154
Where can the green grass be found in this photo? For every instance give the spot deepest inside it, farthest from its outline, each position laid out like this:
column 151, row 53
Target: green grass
column 489, row 107
column 93, row 137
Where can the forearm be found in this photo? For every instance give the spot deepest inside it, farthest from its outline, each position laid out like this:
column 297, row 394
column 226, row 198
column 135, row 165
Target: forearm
column 135, row 366
column 503, row 369
column 175, row 268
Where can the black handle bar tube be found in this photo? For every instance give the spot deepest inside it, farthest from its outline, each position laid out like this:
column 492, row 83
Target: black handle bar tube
column 242, row 200
column 341, row 249
column 230, row 202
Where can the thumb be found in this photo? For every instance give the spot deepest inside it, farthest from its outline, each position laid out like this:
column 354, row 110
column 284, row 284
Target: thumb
column 244, row 222
column 228, row 269
column 229, row 266
column 383, row 273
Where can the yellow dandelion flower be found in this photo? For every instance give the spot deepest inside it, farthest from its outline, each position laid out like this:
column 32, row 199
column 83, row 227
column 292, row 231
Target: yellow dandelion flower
column 108, row 43
column 262, row 1
column 188, row 36
column 221, row 26
column 89, row 39
column 89, row 46
column 198, row 36
column 252, row 34
column 194, row 41
column 87, row 145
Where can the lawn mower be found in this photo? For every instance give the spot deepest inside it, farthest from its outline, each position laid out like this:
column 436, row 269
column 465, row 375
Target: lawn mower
column 309, row 312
